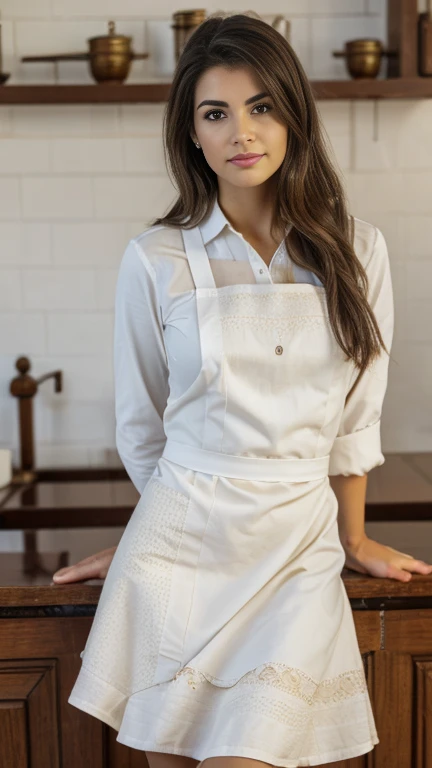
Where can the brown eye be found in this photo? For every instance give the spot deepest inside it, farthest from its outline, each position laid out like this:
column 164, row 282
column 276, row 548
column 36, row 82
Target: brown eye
column 267, row 106
column 213, row 112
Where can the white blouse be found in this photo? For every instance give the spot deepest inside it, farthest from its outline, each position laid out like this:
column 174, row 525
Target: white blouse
column 151, row 330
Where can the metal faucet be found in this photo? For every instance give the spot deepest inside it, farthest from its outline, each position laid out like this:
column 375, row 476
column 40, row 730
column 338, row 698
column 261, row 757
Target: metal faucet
column 25, row 387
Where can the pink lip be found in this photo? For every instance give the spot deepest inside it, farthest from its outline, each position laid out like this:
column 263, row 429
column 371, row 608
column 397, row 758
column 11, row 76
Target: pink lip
column 247, row 161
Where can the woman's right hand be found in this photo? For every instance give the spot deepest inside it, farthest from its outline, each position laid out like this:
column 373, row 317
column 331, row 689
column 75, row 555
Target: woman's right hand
column 93, row 567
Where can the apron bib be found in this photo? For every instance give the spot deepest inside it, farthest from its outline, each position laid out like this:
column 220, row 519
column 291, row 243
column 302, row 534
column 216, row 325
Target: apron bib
column 265, row 353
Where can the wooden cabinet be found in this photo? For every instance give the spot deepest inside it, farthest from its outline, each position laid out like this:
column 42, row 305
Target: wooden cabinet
column 43, row 629
column 40, row 662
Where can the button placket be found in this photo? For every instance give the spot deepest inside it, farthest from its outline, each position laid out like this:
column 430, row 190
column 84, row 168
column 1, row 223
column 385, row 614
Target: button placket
column 255, row 261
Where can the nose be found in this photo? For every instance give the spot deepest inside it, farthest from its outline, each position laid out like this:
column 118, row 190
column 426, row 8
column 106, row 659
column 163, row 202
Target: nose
column 243, row 129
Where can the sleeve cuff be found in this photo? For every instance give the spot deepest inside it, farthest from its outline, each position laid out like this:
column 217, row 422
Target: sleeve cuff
column 357, row 453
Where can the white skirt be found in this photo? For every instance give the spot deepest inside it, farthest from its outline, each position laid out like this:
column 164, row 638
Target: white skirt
column 224, row 627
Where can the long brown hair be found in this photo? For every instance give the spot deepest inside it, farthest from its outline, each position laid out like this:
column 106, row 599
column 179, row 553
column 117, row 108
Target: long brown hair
column 309, row 193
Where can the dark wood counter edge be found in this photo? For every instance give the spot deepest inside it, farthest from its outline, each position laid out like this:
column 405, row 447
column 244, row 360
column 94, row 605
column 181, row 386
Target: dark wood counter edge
column 79, row 611
column 398, row 511
column 67, row 517
column 364, row 593
column 81, row 474
column 12, row 519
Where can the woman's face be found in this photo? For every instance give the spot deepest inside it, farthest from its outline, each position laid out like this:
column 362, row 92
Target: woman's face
column 236, row 127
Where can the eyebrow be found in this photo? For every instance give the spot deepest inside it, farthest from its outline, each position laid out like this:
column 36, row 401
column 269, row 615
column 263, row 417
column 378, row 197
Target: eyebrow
column 213, row 103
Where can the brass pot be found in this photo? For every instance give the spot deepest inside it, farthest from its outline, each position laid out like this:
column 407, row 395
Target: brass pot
column 110, row 56
column 185, row 23
column 362, row 57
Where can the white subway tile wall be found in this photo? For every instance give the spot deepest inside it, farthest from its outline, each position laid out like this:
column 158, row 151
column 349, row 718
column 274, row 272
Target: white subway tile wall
column 77, row 181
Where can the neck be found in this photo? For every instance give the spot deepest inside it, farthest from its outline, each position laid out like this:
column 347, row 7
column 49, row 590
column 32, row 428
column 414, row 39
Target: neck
column 249, row 210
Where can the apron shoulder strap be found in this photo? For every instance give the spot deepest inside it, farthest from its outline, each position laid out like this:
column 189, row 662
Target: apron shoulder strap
column 198, row 259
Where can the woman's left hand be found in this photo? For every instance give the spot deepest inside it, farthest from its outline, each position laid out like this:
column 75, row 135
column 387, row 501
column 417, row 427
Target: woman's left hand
column 369, row 556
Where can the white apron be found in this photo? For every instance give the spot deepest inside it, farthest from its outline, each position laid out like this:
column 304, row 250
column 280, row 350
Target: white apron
column 223, row 627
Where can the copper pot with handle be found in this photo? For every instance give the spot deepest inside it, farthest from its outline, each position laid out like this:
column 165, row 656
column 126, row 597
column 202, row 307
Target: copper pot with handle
column 110, row 56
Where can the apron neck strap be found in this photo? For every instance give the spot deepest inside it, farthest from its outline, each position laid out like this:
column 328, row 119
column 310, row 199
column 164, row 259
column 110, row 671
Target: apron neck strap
column 198, row 259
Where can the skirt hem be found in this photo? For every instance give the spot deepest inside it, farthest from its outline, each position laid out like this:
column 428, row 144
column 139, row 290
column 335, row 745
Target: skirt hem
column 90, row 709
column 233, row 751
column 224, row 750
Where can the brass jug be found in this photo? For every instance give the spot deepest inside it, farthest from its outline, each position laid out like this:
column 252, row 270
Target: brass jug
column 185, row 22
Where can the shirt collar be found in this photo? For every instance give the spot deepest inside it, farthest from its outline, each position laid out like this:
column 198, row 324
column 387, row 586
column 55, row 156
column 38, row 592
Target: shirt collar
column 213, row 224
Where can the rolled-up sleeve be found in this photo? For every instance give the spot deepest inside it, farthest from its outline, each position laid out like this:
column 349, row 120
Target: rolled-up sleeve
column 140, row 367
column 357, row 448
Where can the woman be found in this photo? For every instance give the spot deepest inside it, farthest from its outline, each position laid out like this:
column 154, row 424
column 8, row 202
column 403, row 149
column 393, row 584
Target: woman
column 244, row 378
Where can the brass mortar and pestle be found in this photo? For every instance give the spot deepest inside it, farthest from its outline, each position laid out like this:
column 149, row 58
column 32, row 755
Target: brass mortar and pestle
column 363, row 57
column 109, row 56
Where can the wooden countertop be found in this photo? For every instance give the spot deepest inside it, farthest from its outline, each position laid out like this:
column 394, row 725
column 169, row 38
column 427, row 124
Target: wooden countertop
column 20, row 588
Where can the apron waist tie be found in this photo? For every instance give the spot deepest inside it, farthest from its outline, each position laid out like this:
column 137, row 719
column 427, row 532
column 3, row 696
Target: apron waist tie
column 245, row 467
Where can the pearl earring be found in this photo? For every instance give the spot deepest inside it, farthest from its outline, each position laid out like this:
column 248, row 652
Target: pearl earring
column 197, row 145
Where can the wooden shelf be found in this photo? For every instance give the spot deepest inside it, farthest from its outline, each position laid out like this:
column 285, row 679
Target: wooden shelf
column 394, row 88
column 84, row 94
column 401, row 80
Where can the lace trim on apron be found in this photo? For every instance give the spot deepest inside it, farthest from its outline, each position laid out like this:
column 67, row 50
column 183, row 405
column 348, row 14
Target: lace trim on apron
column 280, row 323
column 304, row 310
column 268, row 304
column 290, row 680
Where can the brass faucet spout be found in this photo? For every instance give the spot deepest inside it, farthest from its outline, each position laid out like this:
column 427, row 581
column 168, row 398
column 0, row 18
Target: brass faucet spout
column 58, row 379
column 24, row 387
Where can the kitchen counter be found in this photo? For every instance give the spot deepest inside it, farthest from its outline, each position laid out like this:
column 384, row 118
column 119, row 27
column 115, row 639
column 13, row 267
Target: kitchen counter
column 25, row 581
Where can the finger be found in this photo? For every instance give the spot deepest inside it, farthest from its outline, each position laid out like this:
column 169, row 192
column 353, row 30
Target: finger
column 95, row 558
column 78, row 572
column 418, row 566
column 92, row 562
column 396, row 573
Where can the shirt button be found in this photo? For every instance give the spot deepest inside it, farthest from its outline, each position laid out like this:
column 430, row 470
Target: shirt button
column 279, row 350
column 261, row 271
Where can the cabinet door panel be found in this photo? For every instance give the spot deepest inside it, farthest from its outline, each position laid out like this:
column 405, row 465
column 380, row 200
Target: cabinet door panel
column 28, row 715
column 423, row 712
